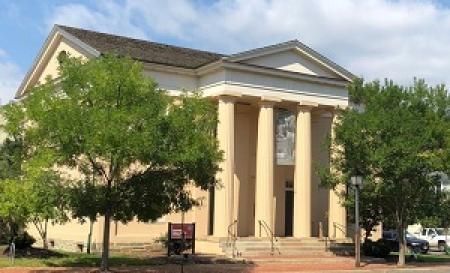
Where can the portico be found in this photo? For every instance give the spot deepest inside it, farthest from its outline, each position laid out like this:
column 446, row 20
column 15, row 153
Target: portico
column 256, row 193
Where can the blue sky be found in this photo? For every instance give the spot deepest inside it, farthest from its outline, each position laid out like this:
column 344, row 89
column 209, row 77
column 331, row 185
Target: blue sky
column 371, row 38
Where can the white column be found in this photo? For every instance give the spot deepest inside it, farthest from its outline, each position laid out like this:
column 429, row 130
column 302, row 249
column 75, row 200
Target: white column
column 337, row 214
column 224, row 193
column 302, row 175
column 264, row 169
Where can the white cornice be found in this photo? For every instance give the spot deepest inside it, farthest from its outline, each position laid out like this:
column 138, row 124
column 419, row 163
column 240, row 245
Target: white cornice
column 270, row 88
column 284, row 74
column 246, row 67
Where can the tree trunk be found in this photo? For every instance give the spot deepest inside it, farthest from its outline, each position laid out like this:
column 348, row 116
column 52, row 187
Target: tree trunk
column 89, row 242
column 367, row 234
column 44, row 235
column 401, row 245
column 105, row 252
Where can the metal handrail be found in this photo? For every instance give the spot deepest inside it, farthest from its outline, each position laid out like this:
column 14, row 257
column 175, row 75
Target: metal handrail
column 340, row 227
column 232, row 237
column 271, row 234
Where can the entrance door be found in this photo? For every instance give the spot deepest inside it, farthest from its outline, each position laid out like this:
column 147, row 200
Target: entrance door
column 288, row 212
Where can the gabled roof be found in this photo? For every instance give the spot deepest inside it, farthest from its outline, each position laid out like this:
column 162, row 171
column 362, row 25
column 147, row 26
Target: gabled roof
column 142, row 50
column 290, row 45
column 95, row 44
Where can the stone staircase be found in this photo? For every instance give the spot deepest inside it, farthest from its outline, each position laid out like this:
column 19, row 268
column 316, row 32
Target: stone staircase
column 288, row 250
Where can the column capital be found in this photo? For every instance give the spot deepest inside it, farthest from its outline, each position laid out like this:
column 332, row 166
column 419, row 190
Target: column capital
column 307, row 105
column 229, row 96
column 226, row 98
column 269, row 101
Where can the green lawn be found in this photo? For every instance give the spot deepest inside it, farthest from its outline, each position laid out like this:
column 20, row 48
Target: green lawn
column 434, row 258
column 422, row 258
column 68, row 259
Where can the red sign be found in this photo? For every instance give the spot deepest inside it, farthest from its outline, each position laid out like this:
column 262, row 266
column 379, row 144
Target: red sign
column 176, row 231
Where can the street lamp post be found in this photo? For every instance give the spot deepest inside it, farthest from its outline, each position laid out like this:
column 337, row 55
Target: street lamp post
column 357, row 182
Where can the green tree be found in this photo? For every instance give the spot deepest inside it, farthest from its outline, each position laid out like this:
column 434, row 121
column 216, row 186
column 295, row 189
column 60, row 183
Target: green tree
column 142, row 146
column 30, row 191
column 370, row 209
column 395, row 138
column 10, row 168
column 11, row 158
column 46, row 196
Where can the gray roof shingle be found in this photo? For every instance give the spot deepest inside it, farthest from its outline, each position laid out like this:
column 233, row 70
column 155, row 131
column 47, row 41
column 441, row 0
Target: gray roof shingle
column 142, row 50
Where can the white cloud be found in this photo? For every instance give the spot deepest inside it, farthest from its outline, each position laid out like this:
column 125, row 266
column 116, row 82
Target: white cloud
column 373, row 38
column 110, row 18
column 10, row 77
column 3, row 53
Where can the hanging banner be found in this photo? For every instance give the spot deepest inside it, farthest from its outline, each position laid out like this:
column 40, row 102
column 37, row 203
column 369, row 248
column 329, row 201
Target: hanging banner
column 285, row 137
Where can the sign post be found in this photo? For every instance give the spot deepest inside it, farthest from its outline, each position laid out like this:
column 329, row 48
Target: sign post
column 357, row 182
column 12, row 252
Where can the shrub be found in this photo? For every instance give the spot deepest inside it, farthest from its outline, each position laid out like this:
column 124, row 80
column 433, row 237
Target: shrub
column 379, row 249
column 163, row 240
column 24, row 240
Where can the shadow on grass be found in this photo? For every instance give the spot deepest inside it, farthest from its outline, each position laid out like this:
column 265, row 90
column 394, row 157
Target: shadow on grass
column 80, row 262
column 35, row 253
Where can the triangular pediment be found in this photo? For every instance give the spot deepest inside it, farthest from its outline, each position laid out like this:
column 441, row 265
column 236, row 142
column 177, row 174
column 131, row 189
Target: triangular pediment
column 46, row 63
column 292, row 56
column 292, row 60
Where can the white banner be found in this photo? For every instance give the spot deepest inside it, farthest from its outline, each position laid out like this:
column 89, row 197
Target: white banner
column 285, row 137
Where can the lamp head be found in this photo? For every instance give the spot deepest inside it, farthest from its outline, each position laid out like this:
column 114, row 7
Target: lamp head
column 357, row 181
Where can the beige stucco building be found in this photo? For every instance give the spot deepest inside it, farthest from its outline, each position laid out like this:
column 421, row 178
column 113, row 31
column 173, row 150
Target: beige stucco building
column 276, row 108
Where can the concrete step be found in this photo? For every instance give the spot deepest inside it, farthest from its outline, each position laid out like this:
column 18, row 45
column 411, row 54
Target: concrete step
column 276, row 253
column 296, row 260
column 252, row 247
column 238, row 243
column 282, row 249
column 286, row 243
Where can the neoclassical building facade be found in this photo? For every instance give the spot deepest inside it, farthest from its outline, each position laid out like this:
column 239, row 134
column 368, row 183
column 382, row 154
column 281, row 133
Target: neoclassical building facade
column 276, row 108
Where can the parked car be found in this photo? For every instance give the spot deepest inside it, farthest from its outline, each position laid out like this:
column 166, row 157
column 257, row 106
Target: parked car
column 415, row 244
column 436, row 238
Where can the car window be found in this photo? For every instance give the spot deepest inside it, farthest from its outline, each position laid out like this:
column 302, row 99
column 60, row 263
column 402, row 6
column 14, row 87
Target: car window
column 389, row 235
column 440, row 231
column 424, row 232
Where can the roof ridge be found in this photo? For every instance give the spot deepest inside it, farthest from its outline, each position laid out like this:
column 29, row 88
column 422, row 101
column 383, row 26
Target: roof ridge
column 138, row 39
column 266, row 47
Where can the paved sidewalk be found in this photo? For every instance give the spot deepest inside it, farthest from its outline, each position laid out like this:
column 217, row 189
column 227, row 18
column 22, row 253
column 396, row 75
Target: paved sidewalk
column 225, row 268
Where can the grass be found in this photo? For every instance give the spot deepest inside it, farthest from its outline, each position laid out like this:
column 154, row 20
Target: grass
column 56, row 258
column 423, row 258
column 430, row 258
column 69, row 259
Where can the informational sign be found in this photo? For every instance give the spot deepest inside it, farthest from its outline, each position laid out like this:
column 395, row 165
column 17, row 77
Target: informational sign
column 181, row 237
column 177, row 230
column 285, row 137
